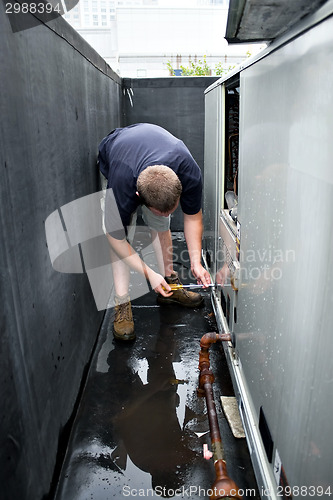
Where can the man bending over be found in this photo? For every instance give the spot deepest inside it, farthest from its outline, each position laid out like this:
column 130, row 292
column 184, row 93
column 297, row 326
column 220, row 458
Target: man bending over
column 146, row 165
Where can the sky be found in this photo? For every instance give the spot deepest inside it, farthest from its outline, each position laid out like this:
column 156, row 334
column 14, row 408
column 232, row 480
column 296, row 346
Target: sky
column 179, row 3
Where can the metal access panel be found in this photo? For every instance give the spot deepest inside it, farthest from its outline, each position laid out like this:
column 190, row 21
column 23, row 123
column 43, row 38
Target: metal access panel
column 281, row 357
column 213, row 179
column 285, row 304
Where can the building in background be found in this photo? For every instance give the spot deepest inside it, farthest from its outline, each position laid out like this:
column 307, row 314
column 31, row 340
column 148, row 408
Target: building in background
column 144, row 38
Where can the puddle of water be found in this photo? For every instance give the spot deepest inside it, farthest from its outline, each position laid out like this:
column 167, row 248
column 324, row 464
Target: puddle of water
column 144, row 413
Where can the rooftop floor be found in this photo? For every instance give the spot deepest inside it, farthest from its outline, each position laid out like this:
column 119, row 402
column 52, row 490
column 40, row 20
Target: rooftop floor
column 140, row 426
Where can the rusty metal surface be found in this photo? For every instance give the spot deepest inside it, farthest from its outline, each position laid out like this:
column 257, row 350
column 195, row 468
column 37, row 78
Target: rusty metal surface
column 224, row 486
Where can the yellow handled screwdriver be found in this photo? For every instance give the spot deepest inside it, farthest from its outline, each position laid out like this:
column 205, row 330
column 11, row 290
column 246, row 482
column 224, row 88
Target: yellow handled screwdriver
column 176, row 286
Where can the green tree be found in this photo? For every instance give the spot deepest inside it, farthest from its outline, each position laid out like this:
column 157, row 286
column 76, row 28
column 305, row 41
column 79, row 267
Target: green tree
column 170, row 68
column 199, row 68
column 220, row 70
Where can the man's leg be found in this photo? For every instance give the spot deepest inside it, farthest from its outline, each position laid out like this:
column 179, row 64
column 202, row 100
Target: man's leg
column 123, row 325
column 162, row 244
column 121, row 274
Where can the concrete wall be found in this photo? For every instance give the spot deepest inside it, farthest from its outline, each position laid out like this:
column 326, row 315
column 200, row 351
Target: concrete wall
column 57, row 100
column 175, row 103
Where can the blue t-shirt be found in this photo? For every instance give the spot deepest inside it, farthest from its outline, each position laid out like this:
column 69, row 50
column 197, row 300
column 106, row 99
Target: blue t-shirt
column 127, row 151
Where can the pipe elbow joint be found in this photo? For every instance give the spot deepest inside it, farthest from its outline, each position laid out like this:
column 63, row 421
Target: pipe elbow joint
column 208, row 339
column 224, row 487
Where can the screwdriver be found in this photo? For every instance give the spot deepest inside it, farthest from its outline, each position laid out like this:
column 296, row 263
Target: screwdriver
column 178, row 287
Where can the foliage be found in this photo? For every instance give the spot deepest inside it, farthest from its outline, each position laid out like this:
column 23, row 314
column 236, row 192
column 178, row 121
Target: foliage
column 201, row 68
column 220, row 70
column 170, row 68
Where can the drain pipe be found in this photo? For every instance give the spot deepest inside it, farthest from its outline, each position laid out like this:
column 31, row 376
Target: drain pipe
column 223, row 487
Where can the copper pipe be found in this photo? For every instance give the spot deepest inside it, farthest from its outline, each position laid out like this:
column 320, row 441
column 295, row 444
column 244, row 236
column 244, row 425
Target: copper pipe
column 223, row 487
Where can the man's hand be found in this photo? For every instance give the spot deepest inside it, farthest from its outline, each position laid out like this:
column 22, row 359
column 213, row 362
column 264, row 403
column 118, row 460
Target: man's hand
column 193, row 229
column 222, row 275
column 124, row 250
column 202, row 276
column 158, row 283
column 128, row 255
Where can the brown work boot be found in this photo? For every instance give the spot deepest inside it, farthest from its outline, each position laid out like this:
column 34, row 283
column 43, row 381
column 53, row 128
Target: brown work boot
column 123, row 325
column 182, row 296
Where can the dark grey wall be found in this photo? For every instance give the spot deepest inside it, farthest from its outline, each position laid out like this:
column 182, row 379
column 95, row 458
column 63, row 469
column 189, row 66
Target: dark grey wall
column 57, row 99
column 175, row 103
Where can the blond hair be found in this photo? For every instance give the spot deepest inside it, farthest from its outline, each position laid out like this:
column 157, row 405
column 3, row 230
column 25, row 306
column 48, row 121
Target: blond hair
column 159, row 187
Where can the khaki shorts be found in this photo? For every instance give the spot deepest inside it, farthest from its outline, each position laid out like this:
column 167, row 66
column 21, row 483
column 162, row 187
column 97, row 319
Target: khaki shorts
column 155, row 222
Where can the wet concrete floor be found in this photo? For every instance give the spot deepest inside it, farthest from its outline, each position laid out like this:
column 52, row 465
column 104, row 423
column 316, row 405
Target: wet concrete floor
column 140, row 427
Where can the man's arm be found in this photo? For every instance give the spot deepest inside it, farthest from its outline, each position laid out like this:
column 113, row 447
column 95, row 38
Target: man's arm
column 193, row 229
column 126, row 253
